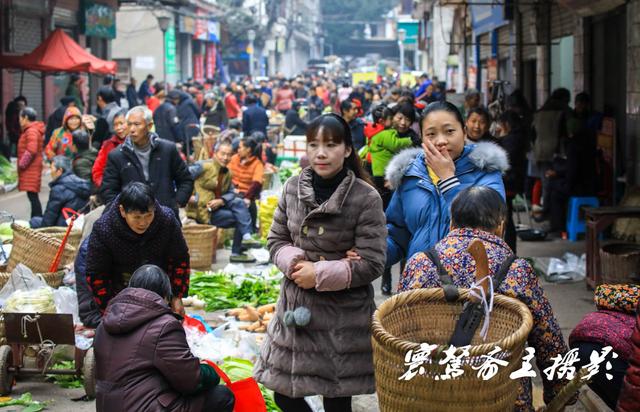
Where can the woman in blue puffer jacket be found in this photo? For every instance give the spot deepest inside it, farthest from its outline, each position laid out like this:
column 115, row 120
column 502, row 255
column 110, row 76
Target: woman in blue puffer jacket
column 426, row 180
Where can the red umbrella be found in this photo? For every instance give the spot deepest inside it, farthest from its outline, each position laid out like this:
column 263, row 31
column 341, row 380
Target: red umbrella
column 59, row 53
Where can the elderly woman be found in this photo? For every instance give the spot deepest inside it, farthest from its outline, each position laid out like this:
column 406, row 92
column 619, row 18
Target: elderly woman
column 143, row 361
column 479, row 212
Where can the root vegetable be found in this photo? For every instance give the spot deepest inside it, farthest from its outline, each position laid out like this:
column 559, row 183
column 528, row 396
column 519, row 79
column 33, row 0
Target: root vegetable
column 267, row 317
column 235, row 312
column 252, row 312
column 267, row 308
column 245, row 317
column 255, row 325
column 261, row 329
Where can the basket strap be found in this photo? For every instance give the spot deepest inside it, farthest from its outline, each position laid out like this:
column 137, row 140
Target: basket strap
column 451, row 293
column 472, row 313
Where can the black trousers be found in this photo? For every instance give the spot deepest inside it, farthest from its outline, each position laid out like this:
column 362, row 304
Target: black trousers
column 607, row 390
column 219, row 399
column 300, row 405
column 36, row 207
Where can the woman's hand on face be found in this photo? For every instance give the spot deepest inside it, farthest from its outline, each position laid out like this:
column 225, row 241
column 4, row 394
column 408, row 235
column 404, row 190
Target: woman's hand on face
column 441, row 164
column 304, row 275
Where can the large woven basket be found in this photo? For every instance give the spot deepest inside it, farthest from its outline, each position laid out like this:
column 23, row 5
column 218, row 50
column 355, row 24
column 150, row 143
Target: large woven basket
column 58, row 232
column 410, row 318
column 619, row 261
column 36, row 250
column 53, row 279
column 202, row 242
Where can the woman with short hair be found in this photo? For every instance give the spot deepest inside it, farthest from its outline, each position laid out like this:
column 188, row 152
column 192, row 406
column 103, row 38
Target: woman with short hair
column 480, row 213
column 143, row 361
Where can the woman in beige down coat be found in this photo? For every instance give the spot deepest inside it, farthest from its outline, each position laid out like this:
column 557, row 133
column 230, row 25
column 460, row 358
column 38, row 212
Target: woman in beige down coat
column 320, row 343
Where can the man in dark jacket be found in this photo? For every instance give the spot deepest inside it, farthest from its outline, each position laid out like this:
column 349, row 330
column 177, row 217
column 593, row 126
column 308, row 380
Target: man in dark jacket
column 132, row 94
column 55, row 119
column 166, row 120
column 145, row 89
column 143, row 157
column 106, row 102
column 67, row 191
column 188, row 115
column 255, row 118
column 350, row 112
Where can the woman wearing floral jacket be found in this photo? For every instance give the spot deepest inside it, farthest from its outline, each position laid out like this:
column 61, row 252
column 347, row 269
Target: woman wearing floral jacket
column 480, row 213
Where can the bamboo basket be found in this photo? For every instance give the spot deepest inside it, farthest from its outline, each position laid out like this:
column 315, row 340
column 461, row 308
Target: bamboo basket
column 201, row 241
column 58, row 232
column 619, row 262
column 53, row 279
column 36, row 250
column 408, row 319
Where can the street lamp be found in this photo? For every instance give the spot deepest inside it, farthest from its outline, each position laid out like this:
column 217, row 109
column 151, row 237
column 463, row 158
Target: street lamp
column 402, row 35
column 163, row 23
column 251, row 35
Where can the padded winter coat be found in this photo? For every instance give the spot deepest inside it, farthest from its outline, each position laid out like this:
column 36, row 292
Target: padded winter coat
column 332, row 355
column 168, row 174
column 66, row 191
column 418, row 214
column 30, row 158
column 143, row 361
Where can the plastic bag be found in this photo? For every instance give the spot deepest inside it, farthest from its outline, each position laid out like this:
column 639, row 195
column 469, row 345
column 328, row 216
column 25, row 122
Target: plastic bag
column 266, row 209
column 66, row 301
column 262, row 255
column 570, row 268
column 22, row 278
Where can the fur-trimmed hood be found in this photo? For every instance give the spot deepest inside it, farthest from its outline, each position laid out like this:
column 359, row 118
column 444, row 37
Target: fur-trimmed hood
column 485, row 156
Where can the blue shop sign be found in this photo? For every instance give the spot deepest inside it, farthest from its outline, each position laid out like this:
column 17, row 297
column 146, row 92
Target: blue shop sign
column 98, row 20
column 485, row 18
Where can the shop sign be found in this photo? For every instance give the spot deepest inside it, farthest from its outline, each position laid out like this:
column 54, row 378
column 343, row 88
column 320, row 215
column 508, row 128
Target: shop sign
column 472, row 77
column 211, row 61
column 170, row 50
column 198, row 68
column 99, row 20
column 492, row 69
column 187, row 25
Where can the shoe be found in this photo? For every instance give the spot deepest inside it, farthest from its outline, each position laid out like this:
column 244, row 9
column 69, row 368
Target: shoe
column 242, row 259
column 251, row 244
column 385, row 287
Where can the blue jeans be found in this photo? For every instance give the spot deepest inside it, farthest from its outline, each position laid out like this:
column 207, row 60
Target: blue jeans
column 233, row 214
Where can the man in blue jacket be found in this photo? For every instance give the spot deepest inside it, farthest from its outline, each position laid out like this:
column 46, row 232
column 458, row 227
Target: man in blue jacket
column 67, row 191
column 255, row 118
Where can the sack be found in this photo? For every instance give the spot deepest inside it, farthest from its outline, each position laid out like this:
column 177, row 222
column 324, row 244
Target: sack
column 246, row 391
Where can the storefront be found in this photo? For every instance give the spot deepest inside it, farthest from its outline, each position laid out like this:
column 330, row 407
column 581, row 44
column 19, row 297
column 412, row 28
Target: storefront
column 206, row 38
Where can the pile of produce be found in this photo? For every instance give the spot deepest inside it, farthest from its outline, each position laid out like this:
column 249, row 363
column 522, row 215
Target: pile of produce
column 220, row 290
column 31, row 301
column 266, row 209
column 8, row 172
column 288, row 169
column 25, row 400
column 65, row 381
column 259, row 317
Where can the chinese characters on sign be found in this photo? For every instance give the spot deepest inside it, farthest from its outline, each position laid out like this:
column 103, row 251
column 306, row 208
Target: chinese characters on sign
column 453, row 359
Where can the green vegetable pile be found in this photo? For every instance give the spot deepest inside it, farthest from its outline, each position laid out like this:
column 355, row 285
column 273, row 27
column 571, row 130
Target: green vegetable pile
column 219, row 290
column 25, row 400
column 8, row 173
column 238, row 369
column 286, row 172
column 65, row 381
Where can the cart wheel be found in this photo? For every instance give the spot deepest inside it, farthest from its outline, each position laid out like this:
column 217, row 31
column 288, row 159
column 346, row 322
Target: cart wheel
column 89, row 374
column 6, row 377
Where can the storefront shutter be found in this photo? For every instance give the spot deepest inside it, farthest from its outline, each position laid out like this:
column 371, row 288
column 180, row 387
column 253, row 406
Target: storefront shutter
column 28, row 35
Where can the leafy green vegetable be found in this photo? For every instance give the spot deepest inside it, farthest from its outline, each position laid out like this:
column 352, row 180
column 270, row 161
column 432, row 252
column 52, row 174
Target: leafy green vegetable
column 65, row 381
column 8, row 172
column 238, row 369
column 286, row 172
column 219, row 290
column 25, row 400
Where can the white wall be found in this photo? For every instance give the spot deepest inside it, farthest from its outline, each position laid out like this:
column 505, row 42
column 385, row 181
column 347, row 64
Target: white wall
column 139, row 38
column 442, row 26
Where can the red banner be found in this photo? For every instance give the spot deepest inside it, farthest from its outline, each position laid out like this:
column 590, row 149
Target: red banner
column 211, row 60
column 198, row 68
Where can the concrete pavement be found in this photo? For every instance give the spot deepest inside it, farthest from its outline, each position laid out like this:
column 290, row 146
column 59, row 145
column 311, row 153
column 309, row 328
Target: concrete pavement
column 570, row 303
